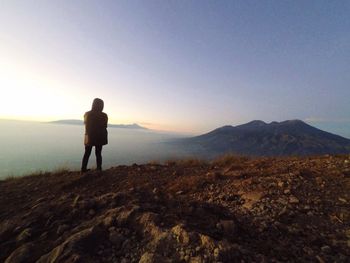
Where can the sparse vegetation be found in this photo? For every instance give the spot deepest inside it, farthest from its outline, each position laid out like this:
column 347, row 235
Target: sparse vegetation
column 230, row 159
column 187, row 162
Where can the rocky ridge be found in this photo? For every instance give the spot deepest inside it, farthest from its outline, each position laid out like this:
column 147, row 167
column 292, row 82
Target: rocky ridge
column 234, row 209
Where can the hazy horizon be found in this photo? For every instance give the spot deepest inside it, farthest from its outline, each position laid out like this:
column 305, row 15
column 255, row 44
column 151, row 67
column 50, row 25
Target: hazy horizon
column 184, row 66
column 322, row 125
column 30, row 147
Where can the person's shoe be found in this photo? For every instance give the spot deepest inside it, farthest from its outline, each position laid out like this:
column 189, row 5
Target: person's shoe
column 83, row 171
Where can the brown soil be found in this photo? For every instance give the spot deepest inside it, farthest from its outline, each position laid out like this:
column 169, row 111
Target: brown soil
column 233, row 209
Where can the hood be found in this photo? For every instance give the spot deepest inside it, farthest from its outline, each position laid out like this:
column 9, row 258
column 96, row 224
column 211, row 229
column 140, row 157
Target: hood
column 97, row 105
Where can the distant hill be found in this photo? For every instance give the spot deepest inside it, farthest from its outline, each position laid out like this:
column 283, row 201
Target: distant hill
column 291, row 137
column 80, row 122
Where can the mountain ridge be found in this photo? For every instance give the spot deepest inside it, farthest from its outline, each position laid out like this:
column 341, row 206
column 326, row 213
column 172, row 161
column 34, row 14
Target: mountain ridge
column 290, row 137
column 80, row 122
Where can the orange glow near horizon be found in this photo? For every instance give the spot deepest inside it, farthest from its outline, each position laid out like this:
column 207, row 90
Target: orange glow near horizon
column 34, row 93
column 31, row 95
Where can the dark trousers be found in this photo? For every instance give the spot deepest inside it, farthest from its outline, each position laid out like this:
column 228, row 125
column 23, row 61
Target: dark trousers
column 98, row 151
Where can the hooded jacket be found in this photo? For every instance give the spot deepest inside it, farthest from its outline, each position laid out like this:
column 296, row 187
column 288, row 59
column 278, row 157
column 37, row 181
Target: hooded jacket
column 96, row 125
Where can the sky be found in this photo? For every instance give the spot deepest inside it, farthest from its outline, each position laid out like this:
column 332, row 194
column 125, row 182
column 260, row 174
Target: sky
column 186, row 66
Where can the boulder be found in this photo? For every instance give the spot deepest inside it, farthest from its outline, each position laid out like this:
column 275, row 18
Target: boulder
column 76, row 246
column 181, row 234
column 21, row 255
column 148, row 257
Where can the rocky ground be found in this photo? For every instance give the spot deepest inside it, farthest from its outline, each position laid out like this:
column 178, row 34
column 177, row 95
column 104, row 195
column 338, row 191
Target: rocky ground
column 234, row 209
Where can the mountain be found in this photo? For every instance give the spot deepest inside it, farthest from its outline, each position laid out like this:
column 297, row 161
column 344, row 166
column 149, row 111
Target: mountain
column 80, row 122
column 257, row 138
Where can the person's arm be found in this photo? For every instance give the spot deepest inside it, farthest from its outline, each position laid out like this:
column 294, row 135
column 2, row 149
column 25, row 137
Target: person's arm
column 106, row 121
column 87, row 123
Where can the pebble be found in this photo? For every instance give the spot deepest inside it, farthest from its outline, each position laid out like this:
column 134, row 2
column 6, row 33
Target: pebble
column 24, row 235
column 287, row 191
column 62, row 228
column 342, row 200
column 216, row 252
column 293, row 200
column 326, row 249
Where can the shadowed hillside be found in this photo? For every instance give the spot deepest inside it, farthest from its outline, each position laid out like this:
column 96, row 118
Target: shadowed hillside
column 232, row 209
column 257, row 138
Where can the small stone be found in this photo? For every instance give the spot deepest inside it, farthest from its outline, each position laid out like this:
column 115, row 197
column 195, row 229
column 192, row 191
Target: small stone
column 116, row 239
column 342, row 200
column 111, row 229
column 286, row 192
column 181, row 234
column 196, row 260
column 293, row 200
column 308, row 250
column 207, row 241
column 216, row 252
column 108, row 221
column 24, row 235
column 44, row 235
column 148, row 257
column 91, row 212
column 326, row 249
column 320, row 260
column 61, row 229
column 76, row 200
column 228, row 226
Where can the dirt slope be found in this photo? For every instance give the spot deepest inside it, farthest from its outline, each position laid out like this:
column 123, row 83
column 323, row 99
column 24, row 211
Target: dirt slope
column 232, row 210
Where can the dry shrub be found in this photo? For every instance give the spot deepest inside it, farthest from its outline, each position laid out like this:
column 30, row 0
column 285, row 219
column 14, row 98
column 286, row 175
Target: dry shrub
column 187, row 162
column 153, row 162
column 306, row 173
column 10, row 178
column 170, row 162
column 187, row 183
column 61, row 170
column 213, row 176
column 57, row 171
column 230, row 159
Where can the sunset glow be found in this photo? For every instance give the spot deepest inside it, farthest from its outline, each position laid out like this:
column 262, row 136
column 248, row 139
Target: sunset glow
column 181, row 66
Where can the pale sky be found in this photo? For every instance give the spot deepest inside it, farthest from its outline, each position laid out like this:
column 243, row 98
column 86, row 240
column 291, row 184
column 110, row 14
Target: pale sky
column 187, row 66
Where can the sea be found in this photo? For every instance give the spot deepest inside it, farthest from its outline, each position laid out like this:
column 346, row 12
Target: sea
column 33, row 147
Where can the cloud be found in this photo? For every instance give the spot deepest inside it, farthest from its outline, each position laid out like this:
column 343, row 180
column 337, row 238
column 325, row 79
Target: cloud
column 328, row 120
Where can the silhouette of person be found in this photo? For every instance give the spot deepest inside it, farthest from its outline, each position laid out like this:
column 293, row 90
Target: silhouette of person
column 95, row 133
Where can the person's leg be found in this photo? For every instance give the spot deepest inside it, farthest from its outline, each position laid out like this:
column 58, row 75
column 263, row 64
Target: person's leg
column 98, row 152
column 86, row 158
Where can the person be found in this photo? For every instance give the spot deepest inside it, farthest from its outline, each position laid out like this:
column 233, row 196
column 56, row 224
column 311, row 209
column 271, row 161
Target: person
column 95, row 134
